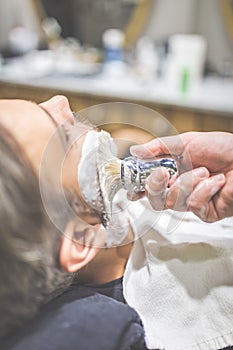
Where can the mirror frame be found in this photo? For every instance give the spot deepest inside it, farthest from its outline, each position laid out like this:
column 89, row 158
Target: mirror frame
column 227, row 11
column 137, row 22
column 133, row 29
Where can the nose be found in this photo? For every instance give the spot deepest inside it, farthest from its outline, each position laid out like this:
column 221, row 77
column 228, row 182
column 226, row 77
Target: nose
column 59, row 108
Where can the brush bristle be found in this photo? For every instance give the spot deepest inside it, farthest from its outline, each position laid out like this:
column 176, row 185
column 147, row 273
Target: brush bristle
column 112, row 171
column 106, row 151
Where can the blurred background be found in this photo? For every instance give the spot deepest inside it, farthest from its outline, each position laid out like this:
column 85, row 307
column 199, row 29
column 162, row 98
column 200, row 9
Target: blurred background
column 174, row 57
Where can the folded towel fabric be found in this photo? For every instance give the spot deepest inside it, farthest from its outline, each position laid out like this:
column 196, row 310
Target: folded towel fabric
column 179, row 278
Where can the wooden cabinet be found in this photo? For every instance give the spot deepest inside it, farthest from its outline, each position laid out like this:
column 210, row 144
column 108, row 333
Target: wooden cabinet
column 181, row 118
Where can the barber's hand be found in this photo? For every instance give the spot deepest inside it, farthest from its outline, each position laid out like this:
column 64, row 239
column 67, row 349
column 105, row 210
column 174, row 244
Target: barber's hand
column 205, row 184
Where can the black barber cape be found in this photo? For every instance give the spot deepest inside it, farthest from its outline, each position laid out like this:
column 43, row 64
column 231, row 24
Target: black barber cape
column 89, row 317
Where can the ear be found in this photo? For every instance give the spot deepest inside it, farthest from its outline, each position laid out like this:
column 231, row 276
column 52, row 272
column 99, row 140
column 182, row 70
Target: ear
column 74, row 256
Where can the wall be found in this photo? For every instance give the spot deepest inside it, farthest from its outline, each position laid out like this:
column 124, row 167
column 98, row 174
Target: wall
column 13, row 13
column 210, row 23
column 193, row 16
column 169, row 16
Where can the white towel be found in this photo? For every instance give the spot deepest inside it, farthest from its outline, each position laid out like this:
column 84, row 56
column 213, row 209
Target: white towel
column 179, row 278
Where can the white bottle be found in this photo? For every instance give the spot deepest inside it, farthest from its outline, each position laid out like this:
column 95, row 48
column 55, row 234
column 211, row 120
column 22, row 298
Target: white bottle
column 185, row 62
column 113, row 43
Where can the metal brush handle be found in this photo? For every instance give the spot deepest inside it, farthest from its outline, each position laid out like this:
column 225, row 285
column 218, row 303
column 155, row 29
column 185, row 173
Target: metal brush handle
column 134, row 172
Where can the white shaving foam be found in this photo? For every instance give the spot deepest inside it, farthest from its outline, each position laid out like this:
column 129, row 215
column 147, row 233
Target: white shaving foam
column 87, row 172
column 98, row 148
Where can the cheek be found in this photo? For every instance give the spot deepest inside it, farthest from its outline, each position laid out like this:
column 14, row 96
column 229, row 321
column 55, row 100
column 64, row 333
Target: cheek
column 69, row 171
column 70, row 165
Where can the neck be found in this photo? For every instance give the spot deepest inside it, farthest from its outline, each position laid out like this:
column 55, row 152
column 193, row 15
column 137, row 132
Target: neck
column 108, row 265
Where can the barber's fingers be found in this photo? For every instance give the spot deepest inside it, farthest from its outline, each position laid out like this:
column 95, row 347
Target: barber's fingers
column 166, row 145
column 156, row 188
column 134, row 196
column 182, row 188
column 200, row 201
column 175, row 197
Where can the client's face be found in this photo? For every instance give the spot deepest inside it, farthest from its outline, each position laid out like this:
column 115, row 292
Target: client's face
column 52, row 141
column 34, row 126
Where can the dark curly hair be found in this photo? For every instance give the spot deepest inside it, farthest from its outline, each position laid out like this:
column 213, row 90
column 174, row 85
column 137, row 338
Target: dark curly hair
column 29, row 243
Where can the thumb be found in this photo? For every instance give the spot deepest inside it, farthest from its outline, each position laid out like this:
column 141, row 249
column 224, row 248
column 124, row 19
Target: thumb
column 160, row 146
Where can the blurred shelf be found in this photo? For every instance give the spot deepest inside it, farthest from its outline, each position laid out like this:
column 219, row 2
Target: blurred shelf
column 208, row 108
